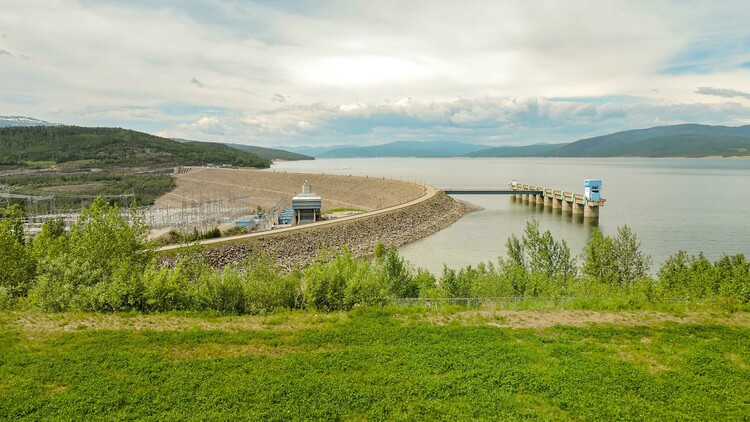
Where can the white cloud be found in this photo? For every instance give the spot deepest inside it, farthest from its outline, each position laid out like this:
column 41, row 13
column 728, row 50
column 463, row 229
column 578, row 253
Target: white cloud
column 489, row 120
column 722, row 92
column 353, row 71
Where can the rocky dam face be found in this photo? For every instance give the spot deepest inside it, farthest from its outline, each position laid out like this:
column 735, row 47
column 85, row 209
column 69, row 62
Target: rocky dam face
column 301, row 247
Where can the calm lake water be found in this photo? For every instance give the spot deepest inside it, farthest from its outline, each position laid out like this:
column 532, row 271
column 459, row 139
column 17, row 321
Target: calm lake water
column 671, row 204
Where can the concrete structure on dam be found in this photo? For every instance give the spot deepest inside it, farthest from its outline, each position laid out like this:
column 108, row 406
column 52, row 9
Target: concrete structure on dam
column 587, row 204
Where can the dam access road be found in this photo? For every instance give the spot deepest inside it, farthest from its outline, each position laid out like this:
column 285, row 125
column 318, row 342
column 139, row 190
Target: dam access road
column 413, row 211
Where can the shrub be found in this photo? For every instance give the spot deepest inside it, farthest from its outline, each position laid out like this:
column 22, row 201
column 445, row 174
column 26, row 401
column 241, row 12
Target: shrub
column 88, row 268
column 395, row 271
column 615, row 261
column 173, row 289
column 733, row 273
column 457, row 285
column 222, row 291
column 18, row 267
column 342, row 283
column 268, row 288
column 697, row 277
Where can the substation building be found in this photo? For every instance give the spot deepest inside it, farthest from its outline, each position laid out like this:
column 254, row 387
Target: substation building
column 306, row 206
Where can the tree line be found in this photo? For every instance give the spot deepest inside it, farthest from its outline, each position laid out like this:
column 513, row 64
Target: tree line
column 105, row 263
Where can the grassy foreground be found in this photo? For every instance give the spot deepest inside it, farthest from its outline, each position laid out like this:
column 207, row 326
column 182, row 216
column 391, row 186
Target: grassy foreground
column 369, row 363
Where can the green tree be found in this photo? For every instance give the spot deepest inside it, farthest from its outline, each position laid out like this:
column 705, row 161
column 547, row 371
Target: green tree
column 17, row 264
column 457, row 285
column 545, row 255
column 51, row 241
column 630, row 262
column 395, row 271
column 12, row 217
column 514, row 249
column 617, row 261
column 91, row 264
column 598, row 258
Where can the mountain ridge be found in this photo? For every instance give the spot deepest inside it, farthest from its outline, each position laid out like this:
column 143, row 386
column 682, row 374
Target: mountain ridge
column 422, row 149
column 88, row 147
column 22, row 121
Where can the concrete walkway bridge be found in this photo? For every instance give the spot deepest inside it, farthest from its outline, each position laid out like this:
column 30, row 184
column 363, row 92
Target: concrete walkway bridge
column 587, row 204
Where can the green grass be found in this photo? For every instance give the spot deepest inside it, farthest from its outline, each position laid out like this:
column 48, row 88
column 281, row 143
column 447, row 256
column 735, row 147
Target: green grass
column 366, row 364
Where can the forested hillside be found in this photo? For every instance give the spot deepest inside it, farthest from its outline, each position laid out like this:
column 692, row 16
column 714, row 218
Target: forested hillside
column 271, row 153
column 688, row 140
column 111, row 147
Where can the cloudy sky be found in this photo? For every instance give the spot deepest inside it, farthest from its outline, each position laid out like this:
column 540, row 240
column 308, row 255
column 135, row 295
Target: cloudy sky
column 349, row 72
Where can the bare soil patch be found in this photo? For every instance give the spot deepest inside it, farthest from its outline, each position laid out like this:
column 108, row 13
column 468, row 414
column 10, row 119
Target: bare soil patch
column 35, row 323
column 545, row 319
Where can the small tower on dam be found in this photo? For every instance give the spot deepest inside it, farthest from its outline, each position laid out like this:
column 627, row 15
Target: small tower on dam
column 592, row 189
column 306, row 205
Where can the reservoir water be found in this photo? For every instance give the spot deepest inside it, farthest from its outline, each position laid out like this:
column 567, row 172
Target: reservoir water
column 671, row 204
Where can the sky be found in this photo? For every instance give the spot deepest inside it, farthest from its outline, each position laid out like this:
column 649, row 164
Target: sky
column 299, row 73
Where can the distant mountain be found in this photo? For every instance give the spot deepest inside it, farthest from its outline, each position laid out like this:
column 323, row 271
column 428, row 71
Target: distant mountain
column 686, row 140
column 267, row 153
column 272, row 153
column 538, row 150
column 315, row 151
column 89, row 147
column 12, row 121
column 406, row 149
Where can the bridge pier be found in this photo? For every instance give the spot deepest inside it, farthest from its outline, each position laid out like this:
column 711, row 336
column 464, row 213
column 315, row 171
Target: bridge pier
column 539, row 200
column 577, row 208
column 590, row 212
column 556, row 204
column 566, row 206
column 548, row 201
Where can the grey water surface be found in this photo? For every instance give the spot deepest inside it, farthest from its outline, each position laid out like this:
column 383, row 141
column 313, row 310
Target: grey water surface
column 671, row 204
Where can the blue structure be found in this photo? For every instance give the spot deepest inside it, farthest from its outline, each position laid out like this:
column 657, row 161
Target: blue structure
column 592, row 189
column 287, row 216
column 246, row 223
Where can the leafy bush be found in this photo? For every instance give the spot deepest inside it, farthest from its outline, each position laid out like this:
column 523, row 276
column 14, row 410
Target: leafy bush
column 615, row 261
column 269, row 288
column 86, row 268
column 697, row 277
column 18, row 267
column 395, row 271
column 342, row 283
